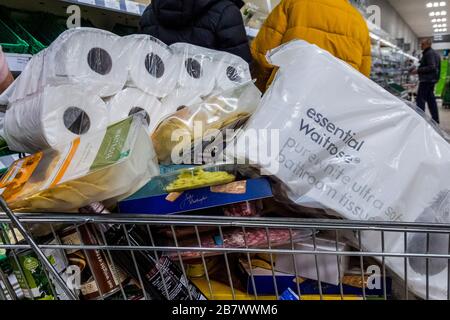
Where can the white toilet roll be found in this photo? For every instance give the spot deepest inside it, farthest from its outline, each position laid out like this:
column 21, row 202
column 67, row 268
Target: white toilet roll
column 180, row 97
column 53, row 116
column 233, row 71
column 130, row 101
column 153, row 67
column 92, row 58
column 198, row 69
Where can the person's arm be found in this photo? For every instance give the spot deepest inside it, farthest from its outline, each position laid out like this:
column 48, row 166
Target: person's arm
column 429, row 64
column 6, row 78
column 269, row 37
column 231, row 35
column 366, row 64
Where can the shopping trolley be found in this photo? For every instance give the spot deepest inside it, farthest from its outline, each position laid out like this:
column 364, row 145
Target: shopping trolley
column 26, row 226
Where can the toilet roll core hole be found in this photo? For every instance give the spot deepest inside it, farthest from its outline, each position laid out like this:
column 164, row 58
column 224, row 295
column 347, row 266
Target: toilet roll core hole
column 154, row 65
column 233, row 74
column 76, row 120
column 100, row 61
column 193, row 68
column 135, row 110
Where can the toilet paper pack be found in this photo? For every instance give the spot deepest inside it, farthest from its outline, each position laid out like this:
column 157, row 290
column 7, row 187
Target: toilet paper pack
column 198, row 68
column 107, row 165
column 232, row 72
column 348, row 145
column 90, row 58
column 152, row 66
column 131, row 101
column 52, row 116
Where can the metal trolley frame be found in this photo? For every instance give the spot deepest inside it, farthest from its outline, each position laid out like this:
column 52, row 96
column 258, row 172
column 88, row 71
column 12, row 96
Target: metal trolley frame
column 23, row 223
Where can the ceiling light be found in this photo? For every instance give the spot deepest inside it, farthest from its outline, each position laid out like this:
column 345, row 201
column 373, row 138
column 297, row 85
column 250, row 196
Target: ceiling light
column 436, row 4
column 439, row 20
column 445, row 29
column 429, row 5
column 442, row 3
column 435, row 26
column 431, row 14
column 434, row 21
column 443, row 13
column 444, row 19
column 437, row 13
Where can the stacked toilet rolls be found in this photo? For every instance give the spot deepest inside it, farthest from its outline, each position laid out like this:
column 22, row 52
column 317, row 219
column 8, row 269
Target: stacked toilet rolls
column 89, row 78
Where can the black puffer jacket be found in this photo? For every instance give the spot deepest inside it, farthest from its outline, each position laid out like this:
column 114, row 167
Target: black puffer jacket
column 214, row 24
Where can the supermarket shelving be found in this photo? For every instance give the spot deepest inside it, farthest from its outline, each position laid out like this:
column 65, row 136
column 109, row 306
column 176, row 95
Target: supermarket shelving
column 17, row 62
column 103, row 14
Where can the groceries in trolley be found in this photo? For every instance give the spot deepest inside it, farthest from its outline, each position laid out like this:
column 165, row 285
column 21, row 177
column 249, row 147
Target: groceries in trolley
column 108, row 164
column 176, row 137
column 366, row 156
column 89, row 78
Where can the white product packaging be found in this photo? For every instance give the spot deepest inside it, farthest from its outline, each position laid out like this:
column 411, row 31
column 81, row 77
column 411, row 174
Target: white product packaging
column 107, row 165
column 348, row 145
column 198, row 69
column 153, row 67
column 233, row 71
column 130, row 101
column 180, row 97
column 330, row 268
column 53, row 116
column 91, row 58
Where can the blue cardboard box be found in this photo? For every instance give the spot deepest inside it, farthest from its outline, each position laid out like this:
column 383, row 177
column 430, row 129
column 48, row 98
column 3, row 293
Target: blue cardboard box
column 145, row 201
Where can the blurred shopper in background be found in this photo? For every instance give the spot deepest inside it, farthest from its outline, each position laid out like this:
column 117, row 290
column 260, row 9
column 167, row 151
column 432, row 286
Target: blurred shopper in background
column 333, row 25
column 429, row 73
column 6, row 78
column 214, row 24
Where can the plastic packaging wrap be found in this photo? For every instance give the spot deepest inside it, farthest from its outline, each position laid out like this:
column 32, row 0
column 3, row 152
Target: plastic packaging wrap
column 52, row 116
column 198, row 177
column 236, row 238
column 91, row 58
column 153, row 67
column 348, row 145
column 101, row 64
column 130, row 101
column 110, row 164
column 192, row 123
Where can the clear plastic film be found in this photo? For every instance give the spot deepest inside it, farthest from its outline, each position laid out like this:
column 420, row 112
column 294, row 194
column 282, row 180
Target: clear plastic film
column 176, row 135
column 131, row 74
column 91, row 58
column 348, row 145
column 52, row 116
column 107, row 165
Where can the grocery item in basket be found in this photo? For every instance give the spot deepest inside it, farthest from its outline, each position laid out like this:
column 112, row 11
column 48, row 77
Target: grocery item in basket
column 243, row 209
column 34, row 280
column 233, row 71
column 161, row 278
column 153, row 67
column 358, row 150
column 236, row 238
column 99, row 276
column 53, row 116
column 198, row 70
column 91, row 58
column 130, row 101
column 107, row 165
column 289, row 294
column 192, row 124
column 198, row 178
